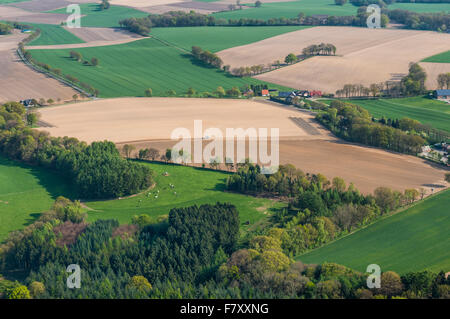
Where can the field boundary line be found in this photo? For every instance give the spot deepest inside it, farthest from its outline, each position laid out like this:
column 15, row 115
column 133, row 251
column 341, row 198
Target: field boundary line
column 61, row 80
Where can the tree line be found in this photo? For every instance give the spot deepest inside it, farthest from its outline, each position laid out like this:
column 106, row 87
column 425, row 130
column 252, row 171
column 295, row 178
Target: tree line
column 182, row 19
column 96, row 170
column 352, row 122
column 207, row 57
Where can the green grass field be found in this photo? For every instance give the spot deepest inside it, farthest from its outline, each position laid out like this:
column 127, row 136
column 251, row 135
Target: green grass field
column 421, row 7
column 290, row 10
column 54, row 34
column 424, row 110
column 412, row 240
column 104, row 18
column 129, row 69
column 218, row 38
column 11, row 1
column 193, row 186
column 443, row 57
column 25, row 192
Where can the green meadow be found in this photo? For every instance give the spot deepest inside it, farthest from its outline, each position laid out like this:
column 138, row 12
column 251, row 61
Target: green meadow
column 216, row 39
column 25, row 192
column 412, row 240
column 54, row 34
column 443, row 57
column 192, row 186
column 129, row 69
column 421, row 7
column 424, row 110
column 290, row 10
column 94, row 17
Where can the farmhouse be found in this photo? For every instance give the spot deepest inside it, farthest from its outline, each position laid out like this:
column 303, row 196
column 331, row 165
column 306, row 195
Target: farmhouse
column 443, row 95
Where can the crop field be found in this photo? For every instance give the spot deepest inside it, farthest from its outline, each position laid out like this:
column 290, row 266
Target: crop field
column 54, row 34
column 192, row 186
column 384, row 54
column 94, row 17
column 129, row 69
column 421, row 7
column 149, row 122
column 439, row 58
column 18, row 81
column 290, row 10
column 216, row 39
column 25, row 192
column 424, row 110
column 412, row 240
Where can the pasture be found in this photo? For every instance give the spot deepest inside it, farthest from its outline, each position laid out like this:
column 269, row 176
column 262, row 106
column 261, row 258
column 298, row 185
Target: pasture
column 424, row 110
column 25, row 192
column 129, row 69
column 290, row 10
column 412, row 240
column 192, row 186
column 421, row 7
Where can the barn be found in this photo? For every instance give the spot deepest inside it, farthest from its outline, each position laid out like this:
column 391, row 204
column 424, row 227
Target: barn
column 443, row 95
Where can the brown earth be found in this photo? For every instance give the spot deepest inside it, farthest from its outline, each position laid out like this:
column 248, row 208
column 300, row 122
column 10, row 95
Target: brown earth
column 364, row 56
column 10, row 13
column 148, row 122
column 18, row 81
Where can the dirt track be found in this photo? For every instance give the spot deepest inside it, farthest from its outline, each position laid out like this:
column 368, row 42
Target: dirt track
column 18, row 82
column 364, row 56
column 149, row 122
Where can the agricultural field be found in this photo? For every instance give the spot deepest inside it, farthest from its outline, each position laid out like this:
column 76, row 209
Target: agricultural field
column 25, row 192
column 290, row 10
column 439, row 58
column 421, row 7
column 378, row 52
column 149, row 122
column 411, row 240
column 424, row 110
column 54, row 34
column 162, row 68
column 216, row 39
column 18, row 81
column 93, row 17
column 192, row 186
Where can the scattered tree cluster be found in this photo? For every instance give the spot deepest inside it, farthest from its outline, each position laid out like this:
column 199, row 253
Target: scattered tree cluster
column 320, row 49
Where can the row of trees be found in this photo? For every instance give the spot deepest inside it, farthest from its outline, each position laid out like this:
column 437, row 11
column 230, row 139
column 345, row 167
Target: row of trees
column 352, row 122
column 207, row 57
column 182, row 19
column 320, row 49
column 411, row 85
column 96, row 170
